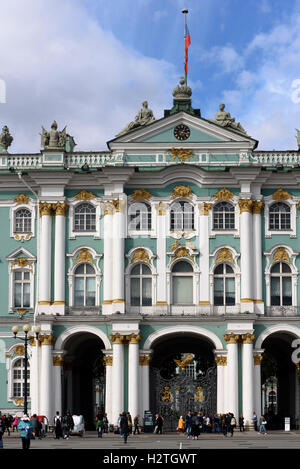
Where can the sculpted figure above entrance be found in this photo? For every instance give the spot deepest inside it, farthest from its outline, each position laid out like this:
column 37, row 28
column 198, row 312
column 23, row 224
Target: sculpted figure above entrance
column 143, row 117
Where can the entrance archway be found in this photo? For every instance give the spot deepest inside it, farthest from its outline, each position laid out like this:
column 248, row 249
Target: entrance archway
column 183, row 376
column 84, row 376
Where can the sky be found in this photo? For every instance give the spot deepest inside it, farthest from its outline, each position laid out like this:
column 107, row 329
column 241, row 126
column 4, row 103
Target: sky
column 89, row 64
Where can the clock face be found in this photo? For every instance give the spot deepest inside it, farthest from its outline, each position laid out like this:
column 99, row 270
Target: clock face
column 182, row 132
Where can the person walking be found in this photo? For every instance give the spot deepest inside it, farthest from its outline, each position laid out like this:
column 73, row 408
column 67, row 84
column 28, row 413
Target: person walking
column 158, row 424
column 35, row 423
column 68, row 424
column 105, row 420
column 100, row 426
column 124, row 427
column 1, row 433
column 15, row 423
column 254, row 421
column 262, row 425
column 241, row 423
column 57, row 421
column 129, row 418
column 188, row 423
column 180, row 425
column 136, row 425
column 26, row 428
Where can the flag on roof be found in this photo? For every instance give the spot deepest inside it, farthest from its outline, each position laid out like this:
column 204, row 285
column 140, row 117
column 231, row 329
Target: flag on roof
column 186, row 46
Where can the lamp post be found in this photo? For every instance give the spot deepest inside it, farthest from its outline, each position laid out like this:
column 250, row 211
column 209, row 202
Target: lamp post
column 26, row 329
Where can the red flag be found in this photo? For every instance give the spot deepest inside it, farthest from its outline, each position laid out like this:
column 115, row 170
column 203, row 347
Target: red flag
column 186, row 46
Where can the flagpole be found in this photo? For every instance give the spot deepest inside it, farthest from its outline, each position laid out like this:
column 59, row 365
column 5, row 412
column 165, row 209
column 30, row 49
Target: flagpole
column 185, row 11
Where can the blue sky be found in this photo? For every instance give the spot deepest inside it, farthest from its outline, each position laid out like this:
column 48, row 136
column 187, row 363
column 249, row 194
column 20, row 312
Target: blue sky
column 90, row 63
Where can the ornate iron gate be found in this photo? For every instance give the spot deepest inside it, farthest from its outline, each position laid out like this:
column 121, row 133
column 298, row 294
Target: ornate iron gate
column 176, row 396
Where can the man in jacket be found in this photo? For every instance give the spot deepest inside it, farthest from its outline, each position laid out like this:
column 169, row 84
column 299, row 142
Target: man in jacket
column 68, row 425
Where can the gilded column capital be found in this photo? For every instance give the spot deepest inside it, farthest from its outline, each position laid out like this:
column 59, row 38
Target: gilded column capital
column 108, row 208
column 134, row 338
column 161, row 208
column 257, row 207
column 46, row 339
column 60, row 208
column 257, row 359
column 58, row 361
column 248, row 338
column 117, row 339
column 245, row 205
column 108, row 360
column 145, row 360
column 204, row 208
column 45, row 209
column 221, row 360
column 232, row 338
column 116, row 205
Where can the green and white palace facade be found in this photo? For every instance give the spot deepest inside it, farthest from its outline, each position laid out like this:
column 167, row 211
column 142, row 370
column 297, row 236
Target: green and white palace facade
column 163, row 272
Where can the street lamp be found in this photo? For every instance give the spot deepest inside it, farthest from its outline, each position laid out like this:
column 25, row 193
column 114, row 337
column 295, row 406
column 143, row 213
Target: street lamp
column 26, row 329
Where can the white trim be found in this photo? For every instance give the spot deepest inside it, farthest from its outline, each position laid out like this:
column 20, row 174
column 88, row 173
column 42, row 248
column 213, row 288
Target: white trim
column 19, row 235
column 64, row 336
column 230, row 231
column 73, row 203
column 292, row 203
column 272, row 330
column 183, row 329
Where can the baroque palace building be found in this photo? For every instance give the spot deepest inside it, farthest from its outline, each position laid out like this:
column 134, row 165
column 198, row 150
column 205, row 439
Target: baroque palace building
column 163, row 272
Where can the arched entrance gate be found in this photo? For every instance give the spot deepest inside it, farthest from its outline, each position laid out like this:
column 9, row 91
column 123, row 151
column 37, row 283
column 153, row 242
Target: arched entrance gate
column 183, row 377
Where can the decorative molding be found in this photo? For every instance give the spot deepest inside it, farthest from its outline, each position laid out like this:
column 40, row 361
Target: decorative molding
column 60, row 208
column 140, row 255
column 19, row 350
column 116, row 205
column 224, row 255
column 182, row 154
column 84, row 255
column 224, row 194
column 45, row 209
column 248, row 338
column 204, row 208
column 46, row 339
column 145, row 360
column 281, row 194
column 21, row 262
column 161, row 303
column 108, row 208
column 133, row 338
column 186, row 359
column 281, row 254
column 182, row 251
column 108, row 360
column 257, row 359
column 19, row 402
column 232, row 338
column 257, row 207
column 141, row 194
column 85, row 195
column 161, row 208
column 245, row 205
column 182, row 191
column 58, row 361
column 22, row 199
column 117, row 339
column 221, row 360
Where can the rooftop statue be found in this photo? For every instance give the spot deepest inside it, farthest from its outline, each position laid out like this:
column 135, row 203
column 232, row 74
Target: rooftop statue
column 224, row 119
column 5, row 139
column 298, row 138
column 183, row 91
column 143, row 117
column 55, row 139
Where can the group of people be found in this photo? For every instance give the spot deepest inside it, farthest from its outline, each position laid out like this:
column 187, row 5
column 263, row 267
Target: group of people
column 63, row 425
column 9, row 423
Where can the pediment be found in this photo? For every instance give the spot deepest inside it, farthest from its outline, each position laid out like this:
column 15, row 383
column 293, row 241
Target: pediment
column 203, row 133
column 20, row 253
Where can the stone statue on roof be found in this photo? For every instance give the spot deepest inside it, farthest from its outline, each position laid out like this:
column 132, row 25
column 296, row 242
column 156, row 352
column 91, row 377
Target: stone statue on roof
column 55, row 139
column 224, row 119
column 143, row 117
column 298, row 138
column 5, row 139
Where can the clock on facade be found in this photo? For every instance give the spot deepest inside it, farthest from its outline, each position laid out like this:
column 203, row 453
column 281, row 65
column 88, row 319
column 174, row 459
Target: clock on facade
column 182, row 132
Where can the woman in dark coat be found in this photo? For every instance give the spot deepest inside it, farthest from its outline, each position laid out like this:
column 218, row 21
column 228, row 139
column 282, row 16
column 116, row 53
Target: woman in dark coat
column 124, row 427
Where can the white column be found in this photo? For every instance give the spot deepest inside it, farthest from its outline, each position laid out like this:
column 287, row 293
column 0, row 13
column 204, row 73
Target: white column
column 46, row 388
column 108, row 360
column 161, row 297
column 204, row 253
column 248, row 379
column 45, row 254
column 246, row 247
column 57, row 375
column 118, row 256
column 117, row 377
column 108, row 258
column 59, row 253
column 133, row 374
column 221, row 362
column 145, row 381
column 257, row 255
column 257, row 385
column 34, row 378
column 232, row 374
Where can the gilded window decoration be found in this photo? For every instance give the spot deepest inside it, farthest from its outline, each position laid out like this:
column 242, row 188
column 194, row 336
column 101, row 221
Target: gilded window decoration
column 141, row 194
column 223, row 194
column 182, row 154
column 281, row 194
column 85, row 195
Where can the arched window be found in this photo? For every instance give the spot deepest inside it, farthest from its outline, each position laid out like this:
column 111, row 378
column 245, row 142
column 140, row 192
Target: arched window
column 279, row 216
column 140, row 217
column 224, row 285
column 22, row 220
column 223, row 216
column 182, row 283
column 85, row 285
column 18, row 378
column 181, row 216
column 85, row 217
column 21, row 289
column 140, row 285
column 281, row 285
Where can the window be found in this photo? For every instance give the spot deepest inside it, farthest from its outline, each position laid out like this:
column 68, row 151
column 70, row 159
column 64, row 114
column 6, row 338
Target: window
column 279, row 216
column 85, row 217
column 182, row 283
column 223, row 216
column 18, row 374
column 85, row 285
column 224, row 285
column 140, row 285
column 281, row 285
column 21, row 289
column 182, row 216
column 23, row 221
column 140, row 217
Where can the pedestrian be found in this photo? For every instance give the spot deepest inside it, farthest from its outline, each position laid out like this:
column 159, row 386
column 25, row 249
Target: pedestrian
column 262, row 425
column 7, row 423
column 195, row 426
column 100, row 426
column 254, row 421
column 105, row 420
column 232, row 423
column 1, row 433
column 129, row 422
column 26, row 428
column 224, row 425
column 35, row 423
column 57, row 421
column 124, row 426
column 188, row 423
column 241, row 423
column 180, row 425
column 158, row 424
column 15, row 423
column 68, row 425
column 136, row 425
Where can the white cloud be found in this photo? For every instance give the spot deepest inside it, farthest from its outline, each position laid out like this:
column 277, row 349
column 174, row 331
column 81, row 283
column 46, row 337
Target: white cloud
column 59, row 64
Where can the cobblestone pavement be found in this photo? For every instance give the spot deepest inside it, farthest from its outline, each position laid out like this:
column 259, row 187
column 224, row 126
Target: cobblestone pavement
column 246, row 440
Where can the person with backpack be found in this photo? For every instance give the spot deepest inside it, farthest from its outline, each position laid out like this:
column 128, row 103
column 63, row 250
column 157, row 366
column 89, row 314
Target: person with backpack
column 232, row 423
column 67, row 424
column 57, row 421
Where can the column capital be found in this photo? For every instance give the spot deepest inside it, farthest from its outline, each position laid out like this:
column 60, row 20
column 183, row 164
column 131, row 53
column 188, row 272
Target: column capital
column 45, row 209
column 60, row 208
column 58, row 360
column 145, row 360
column 117, row 339
column 133, row 338
column 257, row 359
column 257, row 207
column 108, row 360
column 232, row 338
column 221, row 360
column 108, row 208
column 204, row 208
column 161, row 208
column 248, row 338
column 245, row 205
column 46, row 339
